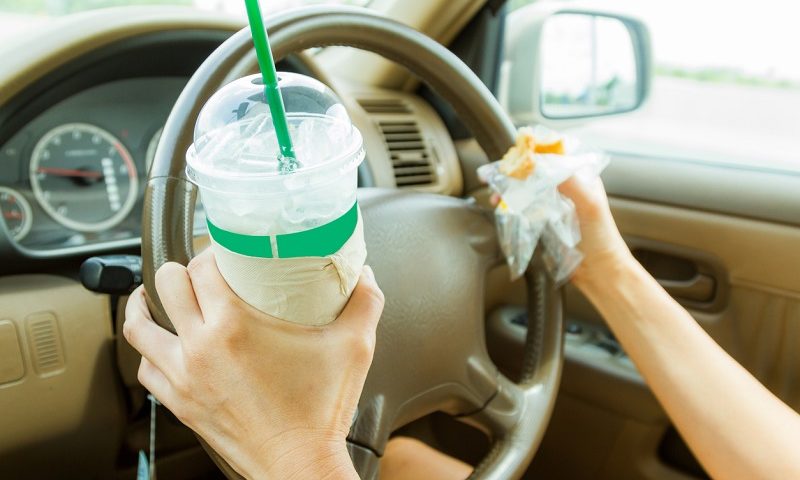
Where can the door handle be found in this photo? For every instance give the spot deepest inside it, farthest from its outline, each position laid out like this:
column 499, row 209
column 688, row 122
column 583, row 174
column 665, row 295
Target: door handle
column 694, row 278
column 700, row 288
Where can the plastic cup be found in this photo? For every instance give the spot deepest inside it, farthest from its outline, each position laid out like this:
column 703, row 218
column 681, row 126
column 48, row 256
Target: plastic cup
column 290, row 244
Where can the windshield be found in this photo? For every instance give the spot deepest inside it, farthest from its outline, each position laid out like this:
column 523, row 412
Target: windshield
column 54, row 8
column 17, row 16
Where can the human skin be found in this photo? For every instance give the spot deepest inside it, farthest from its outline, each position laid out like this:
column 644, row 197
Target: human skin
column 266, row 395
column 735, row 426
column 274, row 399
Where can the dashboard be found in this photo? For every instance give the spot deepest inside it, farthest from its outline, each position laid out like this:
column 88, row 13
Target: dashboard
column 77, row 139
column 81, row 108
column 75, row 175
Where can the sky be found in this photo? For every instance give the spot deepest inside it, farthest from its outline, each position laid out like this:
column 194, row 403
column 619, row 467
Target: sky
column 568, row 45
column 760, row 37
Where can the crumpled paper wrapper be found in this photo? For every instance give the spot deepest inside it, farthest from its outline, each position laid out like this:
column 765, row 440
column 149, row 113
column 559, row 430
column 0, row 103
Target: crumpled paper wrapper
column 531, row 210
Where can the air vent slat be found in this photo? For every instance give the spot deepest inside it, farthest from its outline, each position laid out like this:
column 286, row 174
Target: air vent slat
column 384, row 106
column 400, row 158
column 401, row 127
column 398, row 146
column 401, row 137
column 415, row 181
column 408, row 171
column 408, row 151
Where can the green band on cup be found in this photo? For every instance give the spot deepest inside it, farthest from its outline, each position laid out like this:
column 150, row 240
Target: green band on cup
column 250, row 245
column 318, row 242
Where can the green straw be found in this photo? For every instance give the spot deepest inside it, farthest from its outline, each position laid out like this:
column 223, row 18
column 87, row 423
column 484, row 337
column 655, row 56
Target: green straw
column 287, row 161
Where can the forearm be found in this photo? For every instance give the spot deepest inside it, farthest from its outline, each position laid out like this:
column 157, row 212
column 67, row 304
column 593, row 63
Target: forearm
column 735, row 426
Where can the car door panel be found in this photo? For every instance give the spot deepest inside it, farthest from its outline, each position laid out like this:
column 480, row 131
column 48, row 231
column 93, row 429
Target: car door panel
column 704, row 185
column 748, row 191
column 607, row 424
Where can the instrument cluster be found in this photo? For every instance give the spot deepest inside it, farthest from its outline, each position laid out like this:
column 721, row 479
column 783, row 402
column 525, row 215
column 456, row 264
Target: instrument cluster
column 74, row 176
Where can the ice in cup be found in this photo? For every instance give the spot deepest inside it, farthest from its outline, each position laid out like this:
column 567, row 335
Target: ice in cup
column 289, row 243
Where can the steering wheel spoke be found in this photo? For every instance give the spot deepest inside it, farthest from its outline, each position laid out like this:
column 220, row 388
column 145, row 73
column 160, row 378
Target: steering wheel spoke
column 366, row 461
column 430, row 255
column 503, row 410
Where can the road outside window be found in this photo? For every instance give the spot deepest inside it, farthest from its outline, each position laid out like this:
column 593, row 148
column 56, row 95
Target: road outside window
column 726, row 87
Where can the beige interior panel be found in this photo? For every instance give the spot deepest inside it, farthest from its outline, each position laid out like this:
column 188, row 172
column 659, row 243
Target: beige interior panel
column 585, row 441
column 439, row 20
column 396, row 108
column 757, row 254
column 607, row 424
column 78, row 35
column 11, row 365
column 762, row 331
column 761, row 325
column 66, row 408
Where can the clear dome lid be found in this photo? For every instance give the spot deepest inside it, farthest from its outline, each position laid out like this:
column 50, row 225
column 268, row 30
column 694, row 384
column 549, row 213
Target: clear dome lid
column 236, row 147
column 244, row 99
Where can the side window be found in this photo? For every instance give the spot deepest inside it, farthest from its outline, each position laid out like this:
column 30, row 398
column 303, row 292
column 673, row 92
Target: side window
column 726, row 84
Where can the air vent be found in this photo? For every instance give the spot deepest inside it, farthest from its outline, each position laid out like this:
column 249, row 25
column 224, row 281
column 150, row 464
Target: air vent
column 384, row 106
column 45, row 343
column 410, row 158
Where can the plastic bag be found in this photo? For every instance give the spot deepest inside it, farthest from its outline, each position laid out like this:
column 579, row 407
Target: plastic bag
column 531, row 208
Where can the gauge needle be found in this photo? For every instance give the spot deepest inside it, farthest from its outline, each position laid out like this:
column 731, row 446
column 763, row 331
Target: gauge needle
column 66, row 172
column 12, row 215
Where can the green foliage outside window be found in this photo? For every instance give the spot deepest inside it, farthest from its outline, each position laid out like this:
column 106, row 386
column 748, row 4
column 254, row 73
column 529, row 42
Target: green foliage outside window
column 61, row 7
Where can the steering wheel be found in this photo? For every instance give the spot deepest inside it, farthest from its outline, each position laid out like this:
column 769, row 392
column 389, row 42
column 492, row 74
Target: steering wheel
column 430, row 254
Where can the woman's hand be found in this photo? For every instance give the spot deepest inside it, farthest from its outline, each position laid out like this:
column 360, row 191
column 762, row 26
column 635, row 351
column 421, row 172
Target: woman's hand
column 602, row 245
column 733, row 424
column 275, row 399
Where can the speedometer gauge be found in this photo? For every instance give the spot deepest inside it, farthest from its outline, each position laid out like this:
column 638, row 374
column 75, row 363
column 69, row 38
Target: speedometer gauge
column 83, row 177
column 16, row 213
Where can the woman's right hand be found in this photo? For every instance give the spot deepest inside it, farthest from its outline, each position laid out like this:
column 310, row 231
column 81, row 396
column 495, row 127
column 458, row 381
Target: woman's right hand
column 602, row 245
column 274, row 398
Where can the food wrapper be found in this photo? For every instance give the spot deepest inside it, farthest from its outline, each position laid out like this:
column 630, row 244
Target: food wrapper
column 531, row 210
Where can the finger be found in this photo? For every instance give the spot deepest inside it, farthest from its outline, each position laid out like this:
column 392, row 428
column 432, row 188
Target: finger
column 589, row 197
column 572, row 189
column 177, row 296
column 577, row 190
column 156, row 383
column 159, row 346
column 210, row 288
column 494, row 199
column 365, row 306
column 214, row 295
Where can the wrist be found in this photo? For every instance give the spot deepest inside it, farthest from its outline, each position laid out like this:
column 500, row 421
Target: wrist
column 324, row 461
column 598, row 275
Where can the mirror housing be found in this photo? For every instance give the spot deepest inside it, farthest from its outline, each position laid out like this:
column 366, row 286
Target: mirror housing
column 563, row 64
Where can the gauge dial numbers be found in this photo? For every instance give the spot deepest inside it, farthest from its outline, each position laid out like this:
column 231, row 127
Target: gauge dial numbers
column 16, row 212
column 83, row 177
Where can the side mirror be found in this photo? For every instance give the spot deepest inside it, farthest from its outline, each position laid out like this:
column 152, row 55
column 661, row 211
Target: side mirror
column 563, row 65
